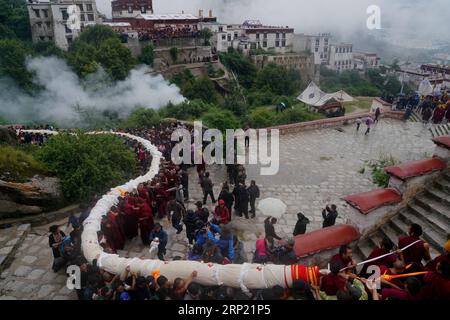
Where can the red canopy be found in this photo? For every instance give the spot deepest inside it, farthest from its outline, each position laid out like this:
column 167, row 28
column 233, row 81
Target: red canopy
column 442, row 141
column 415, row 168
column 323, row 239
column 368, row 201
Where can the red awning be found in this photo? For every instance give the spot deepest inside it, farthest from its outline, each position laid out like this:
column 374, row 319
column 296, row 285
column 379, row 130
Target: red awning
column 323, row 239
column 442, row 141
column 416, row 168
column 368, row 201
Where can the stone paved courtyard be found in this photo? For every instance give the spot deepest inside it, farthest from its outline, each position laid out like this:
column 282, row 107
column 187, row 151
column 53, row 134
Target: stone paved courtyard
column 316, row 168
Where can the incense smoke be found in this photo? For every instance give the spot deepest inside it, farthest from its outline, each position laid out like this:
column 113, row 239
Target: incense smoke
column 67, row 101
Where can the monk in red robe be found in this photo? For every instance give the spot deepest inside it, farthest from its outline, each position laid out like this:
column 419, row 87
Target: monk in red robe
column 344, row 257
column 131, row 218
column 436, row 284
column 432, row 266
column 417, row 252
column 146, row 222
column 385, row 247
column 118, row 238
column 335, row 280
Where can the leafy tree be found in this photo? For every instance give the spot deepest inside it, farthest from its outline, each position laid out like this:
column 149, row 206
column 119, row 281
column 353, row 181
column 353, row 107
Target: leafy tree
column 244, row 69
column 87, row 164
column 47, row 49
column 206, row 35
column 142, row 118
column 14, row 20
column 235, row 101
column 202, row 88
column 97, row 34
column 188, row 110
column 262, row 118
column 174, row 54
column 147, row 55
column 221, row 119
column 82, row 57
column 115, row 58
column 296, row 114
column 278, row 79
column 12, row 62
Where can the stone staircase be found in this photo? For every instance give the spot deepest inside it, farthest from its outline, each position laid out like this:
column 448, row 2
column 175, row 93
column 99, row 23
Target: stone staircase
column 430, row 209
column 438, row 130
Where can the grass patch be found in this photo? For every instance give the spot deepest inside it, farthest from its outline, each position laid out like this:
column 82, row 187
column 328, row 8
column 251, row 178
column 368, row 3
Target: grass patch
column 17, row 165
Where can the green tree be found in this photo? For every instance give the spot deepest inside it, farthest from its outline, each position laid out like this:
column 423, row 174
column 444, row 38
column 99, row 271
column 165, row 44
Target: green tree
column 188, row 110
column 147, row 55
column 206, row 35
column 14, row 20
column 202, row 89
column 262, row 118
column 115, row 58
column 82, row 57
column 87, row 164
column 97, row 34
column 142, row 118
column 278, row 79
column 174, row 54
column 12, row 62
column 221, row 119
column 244, row 69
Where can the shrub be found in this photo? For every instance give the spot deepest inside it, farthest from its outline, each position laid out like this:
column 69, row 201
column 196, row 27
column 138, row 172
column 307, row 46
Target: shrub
column 221, row 119
column 174, row 54
column 379, row 176
column 147, row 55
column 188, row 110
column 87, row 164
column 142, row 118
column 262, row 118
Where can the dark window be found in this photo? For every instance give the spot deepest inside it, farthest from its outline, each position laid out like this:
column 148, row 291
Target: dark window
column 37, row 13
column 317, row 49
column 45, row 12
column 42, row 38
column 277, row 43
column 235, row 35
column 220, row 29
column 277, row 36
column 257, row 36
column 90, row 17
column 283, row 43
column 89, row 7
column 82, row 18
column 67, row 29
column 65, row 16
column 130, row 9
column 265, row 35
column 143, row 9
column 48, row 24
column 284, row 35
column 224, row 37
column 229, row 37
column 80, row 6
column 265, row 44
column 50, row 38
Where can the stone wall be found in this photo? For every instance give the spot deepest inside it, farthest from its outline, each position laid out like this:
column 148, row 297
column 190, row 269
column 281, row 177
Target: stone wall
column 332, row 122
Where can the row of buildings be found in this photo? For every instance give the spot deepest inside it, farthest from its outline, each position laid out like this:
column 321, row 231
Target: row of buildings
column 51, row 20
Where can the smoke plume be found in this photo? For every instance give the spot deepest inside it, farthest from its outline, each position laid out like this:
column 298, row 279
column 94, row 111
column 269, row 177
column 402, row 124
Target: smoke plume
column 64, row 98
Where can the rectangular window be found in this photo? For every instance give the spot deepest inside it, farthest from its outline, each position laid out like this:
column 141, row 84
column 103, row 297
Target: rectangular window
column 229, row 37
column 326, row 41
column 265, row 35
column 130, row 9
column 64, row 14
column 42, row 38
column 264, row 44
column 37, row 13
column 317, row 49
column 317, row 41
column 89, row 7
column 143, row 9
column 220, row 29
column 50, row 38
column 45, row 12
column 235, row 35
column 48, row 24
column 82, row 18
column 277, row 43
column 67, row 29
column 283, row 43
column 90, row 17
column 80, row 6
column 224, row 37
column 277, row 35
column 257, row 36
column 284, row 35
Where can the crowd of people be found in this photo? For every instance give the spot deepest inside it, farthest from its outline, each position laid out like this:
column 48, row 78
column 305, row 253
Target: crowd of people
column 169, row 32
column 212, row 240
column 435, row 109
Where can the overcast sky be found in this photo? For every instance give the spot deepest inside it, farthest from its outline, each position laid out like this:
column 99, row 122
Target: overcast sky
column 416, row 17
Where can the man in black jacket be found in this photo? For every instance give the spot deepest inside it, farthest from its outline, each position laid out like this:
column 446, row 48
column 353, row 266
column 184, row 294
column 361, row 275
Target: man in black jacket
column 242, row 198
column 253, row 192
column 329, row 216
column 300, row 226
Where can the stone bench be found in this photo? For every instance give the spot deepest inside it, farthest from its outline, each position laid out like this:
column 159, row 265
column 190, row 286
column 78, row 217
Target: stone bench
column 317, row 247
column 370, row 209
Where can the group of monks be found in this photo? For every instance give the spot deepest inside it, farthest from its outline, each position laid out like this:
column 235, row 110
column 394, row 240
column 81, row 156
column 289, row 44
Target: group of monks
column 436, row 108
column 403, row 275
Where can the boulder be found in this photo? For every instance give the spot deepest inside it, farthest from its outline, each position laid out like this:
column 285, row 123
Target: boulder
column 32, row 197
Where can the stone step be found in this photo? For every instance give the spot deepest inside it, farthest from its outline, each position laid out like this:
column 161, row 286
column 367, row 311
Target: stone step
column 390, row 233
column 434, row 238
column 433, row 206
column 443, row 185
column 365, row 247
column 436, row 221
column 446, row 176
column 438, row 195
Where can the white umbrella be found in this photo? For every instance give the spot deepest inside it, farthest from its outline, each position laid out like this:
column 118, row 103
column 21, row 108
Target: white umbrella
column 272, row 207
